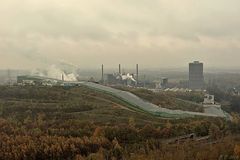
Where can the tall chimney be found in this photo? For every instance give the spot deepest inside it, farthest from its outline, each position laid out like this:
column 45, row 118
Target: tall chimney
column 62, row 77
column 119, row 69
column 102, row 74
column 137, row 73
column 144, row 84
column 9, row 77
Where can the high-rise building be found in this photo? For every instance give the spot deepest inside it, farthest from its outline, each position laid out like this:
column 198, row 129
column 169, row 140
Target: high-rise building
column 196, row 78
column 164, row 82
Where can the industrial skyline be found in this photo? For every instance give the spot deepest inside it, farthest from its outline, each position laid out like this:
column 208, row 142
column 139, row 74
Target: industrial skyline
column 119, row 79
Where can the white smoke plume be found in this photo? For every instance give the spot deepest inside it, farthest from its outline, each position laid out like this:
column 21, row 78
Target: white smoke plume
column 57, row 72
column 128, row 76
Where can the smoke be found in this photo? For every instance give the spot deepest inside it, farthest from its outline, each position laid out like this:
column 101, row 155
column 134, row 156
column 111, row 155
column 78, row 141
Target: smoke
column 56, row 72
column 67, row 67
column 127, row 76
column 38, row 72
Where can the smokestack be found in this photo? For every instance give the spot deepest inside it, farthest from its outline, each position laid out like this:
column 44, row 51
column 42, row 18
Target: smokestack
column 62, row 77
column 144, row 85
column 102, row 74
column 137, row 73
column 9, row 77
column 119, row 69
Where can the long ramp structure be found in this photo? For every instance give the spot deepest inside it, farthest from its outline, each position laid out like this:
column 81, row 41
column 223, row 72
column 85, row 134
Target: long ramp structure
column 137, row 103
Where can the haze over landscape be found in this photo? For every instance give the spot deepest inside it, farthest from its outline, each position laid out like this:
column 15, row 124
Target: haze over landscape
column 156, row 33
column 119, row 80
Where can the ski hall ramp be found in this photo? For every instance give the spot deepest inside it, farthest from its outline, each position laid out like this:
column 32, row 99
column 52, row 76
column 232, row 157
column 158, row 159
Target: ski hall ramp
column 139, row 104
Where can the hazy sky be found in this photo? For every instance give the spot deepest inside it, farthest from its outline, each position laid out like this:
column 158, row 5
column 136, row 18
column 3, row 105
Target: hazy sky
column 87, row 33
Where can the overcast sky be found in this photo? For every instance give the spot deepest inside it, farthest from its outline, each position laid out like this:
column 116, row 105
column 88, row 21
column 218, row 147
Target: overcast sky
column 87, row 33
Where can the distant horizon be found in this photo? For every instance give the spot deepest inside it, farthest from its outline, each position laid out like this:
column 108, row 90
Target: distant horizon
column 107, row 68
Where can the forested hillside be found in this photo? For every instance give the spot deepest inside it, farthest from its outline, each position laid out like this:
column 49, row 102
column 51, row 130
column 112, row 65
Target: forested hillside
column 79, row 123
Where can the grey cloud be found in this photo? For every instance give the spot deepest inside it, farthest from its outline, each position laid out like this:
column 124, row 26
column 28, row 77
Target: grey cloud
column 156, row 32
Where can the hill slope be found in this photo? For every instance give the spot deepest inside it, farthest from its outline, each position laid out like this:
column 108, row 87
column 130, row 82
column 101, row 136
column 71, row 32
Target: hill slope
column 80, row 123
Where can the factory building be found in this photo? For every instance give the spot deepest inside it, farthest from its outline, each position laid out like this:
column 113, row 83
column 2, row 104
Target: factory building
column 30, row 80
column 111, row 79
column 209, row 99
column 163, row 84
column 37, row 80
column 196, row 78
column 120, row 78
column 212, row 107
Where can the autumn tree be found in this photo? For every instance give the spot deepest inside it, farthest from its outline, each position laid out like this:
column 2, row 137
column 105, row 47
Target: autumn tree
column 131, row 122
column 237, row 150
column 214, row 131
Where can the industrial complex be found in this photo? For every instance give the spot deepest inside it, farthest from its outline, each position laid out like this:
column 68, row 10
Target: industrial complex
column 120, row 78
column 196, row 79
